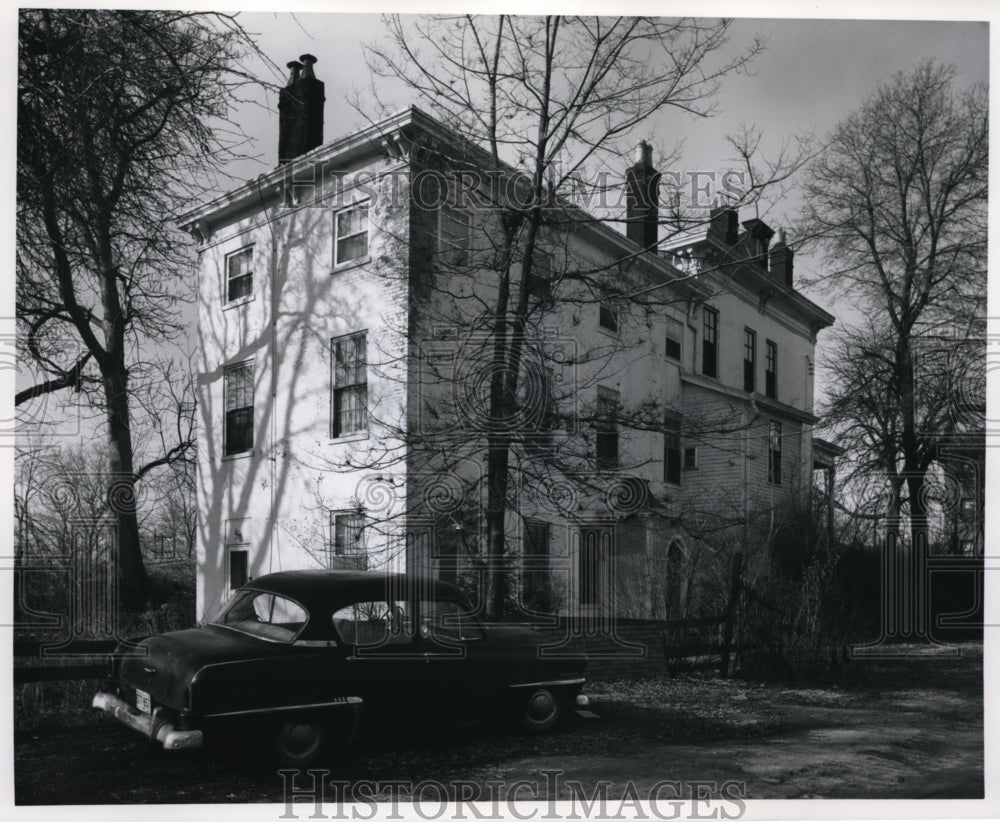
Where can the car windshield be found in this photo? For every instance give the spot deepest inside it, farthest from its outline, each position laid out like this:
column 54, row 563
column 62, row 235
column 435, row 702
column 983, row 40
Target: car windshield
column 262, row 614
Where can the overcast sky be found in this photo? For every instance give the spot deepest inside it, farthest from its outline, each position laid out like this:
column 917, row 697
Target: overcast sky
column 813, row 73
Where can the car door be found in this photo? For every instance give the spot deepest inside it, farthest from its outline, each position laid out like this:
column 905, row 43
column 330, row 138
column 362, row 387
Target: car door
column 464, row 668
column 382, row 663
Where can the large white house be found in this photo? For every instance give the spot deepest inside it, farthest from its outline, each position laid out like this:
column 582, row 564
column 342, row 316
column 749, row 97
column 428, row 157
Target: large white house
column 344, row 372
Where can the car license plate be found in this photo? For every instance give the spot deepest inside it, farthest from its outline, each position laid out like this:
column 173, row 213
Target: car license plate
column 142, row 702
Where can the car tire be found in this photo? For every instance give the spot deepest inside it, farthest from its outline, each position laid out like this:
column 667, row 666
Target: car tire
column 301, row 741
column 542, row 711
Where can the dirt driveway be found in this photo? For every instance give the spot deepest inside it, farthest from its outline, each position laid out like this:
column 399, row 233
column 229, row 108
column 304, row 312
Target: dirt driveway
column 901, row 729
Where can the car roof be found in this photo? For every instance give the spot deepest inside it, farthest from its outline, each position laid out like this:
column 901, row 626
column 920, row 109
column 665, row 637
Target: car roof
column 320, row 590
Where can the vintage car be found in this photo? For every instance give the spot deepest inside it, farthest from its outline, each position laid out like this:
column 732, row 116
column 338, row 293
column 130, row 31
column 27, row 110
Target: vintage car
column 302, row 658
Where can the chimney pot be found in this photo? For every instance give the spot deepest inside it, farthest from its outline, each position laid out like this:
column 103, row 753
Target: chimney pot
column 644, row 154
column 295, row 67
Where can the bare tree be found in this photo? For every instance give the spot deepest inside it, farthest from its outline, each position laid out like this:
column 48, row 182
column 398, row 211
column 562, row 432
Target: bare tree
column 897, row 202
column 548, row 103
column 115, row 132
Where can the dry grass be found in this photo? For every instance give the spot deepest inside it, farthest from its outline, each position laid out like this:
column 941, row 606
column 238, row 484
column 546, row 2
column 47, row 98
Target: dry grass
column 63, row 704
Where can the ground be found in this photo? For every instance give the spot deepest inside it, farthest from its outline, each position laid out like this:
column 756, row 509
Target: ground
column 894, row 729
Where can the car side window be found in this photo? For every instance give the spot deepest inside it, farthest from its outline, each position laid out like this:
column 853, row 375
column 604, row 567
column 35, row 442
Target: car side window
column 449, row 621
column 373, row 622
column 263, row 614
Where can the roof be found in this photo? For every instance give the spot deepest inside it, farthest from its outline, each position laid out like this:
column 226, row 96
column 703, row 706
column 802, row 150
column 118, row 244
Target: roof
column 381, row 137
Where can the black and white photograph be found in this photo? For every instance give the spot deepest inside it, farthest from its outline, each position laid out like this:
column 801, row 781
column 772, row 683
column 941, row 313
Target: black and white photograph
column 482, row 411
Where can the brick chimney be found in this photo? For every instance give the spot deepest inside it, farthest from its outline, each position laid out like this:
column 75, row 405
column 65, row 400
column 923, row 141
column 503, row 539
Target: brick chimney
column 642, row 199
column 781, row 260
column 758, row 239
column 724, row 224
column 300, row 111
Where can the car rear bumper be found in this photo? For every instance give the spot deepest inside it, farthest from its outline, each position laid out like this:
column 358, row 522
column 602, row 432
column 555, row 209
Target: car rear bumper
column 151, row 725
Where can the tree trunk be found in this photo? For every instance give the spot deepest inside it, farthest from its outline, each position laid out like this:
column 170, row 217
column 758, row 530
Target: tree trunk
column 133, row 584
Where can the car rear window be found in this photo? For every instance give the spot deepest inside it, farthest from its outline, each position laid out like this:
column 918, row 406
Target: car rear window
column 262, row 614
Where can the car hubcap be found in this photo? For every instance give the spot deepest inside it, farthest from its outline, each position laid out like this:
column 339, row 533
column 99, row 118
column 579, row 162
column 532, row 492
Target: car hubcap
column 541, row 706
column 300, row 738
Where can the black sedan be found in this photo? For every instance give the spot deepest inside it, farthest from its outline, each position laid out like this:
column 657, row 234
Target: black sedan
column 301, row 658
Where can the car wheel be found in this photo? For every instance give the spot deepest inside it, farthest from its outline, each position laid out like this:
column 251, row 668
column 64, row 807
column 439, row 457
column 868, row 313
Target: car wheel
column 542, row 711
column 301, row 741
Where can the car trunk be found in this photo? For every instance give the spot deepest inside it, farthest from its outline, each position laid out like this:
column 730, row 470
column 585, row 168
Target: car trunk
column 164, row 665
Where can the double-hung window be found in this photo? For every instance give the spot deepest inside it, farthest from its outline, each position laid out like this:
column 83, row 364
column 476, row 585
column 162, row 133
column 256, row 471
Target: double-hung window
column 771, row 370
column 351, row 234
column 536, row 584
column 672, row 448
column 540, row 279
column 608, row 314
column 606, row 423
column 239, row 274
column 774, row 452
column 675, row 335
column 238, row 389
column 749, row 360
column 346, row 531
column 710, row 342
column 454, row 234
column 350, row 384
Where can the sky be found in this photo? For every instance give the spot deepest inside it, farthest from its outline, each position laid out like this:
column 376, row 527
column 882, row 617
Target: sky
column 811, row 75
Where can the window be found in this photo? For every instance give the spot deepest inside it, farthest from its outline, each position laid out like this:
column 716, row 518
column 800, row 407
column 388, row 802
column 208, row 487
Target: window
column 675, row 334
column 749, row 360
column 238, row 387
column 238, row 566
column 351, row 241
column 672, row 586
column 264, row 615
column 607, row 427
column 690, row 458
column 347, row 531
column 540, row 281
column 672, row 448
column 771, row 370
column 239, row 274
column 374, row 622
column 774, row 452
column 536, row 584
column 350, row 384
column 454, row 234
column 448, row 621
column 608, row 315
column 594, row 544
column 709, row 342
column 347, row 547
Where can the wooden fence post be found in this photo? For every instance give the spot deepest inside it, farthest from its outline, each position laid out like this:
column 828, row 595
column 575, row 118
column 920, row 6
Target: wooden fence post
column 730, row 616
